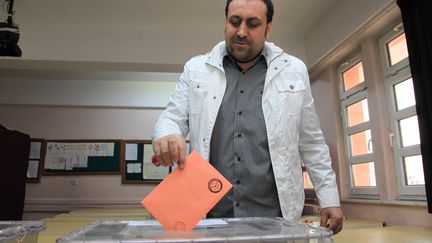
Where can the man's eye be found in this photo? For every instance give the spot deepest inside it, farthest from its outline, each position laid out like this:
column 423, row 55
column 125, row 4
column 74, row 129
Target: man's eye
column 235, row 23
column 253, row 23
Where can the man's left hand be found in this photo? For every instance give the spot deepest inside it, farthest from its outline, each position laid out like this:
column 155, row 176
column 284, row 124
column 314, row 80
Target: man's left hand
column 332, row 219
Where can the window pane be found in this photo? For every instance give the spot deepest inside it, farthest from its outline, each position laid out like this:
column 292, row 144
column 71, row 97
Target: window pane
column 397, row 49
column 414, row 170
column 361, row 143
column 353, row 76
column 409, row 131
column 404, row 94
column 364, row 174
column 358, row 113
column 306, row 181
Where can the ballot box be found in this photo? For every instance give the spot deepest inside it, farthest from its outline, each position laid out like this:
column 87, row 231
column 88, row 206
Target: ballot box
column 207, row 230
column 20, row 231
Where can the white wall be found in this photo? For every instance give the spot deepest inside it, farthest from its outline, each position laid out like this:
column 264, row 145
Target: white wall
column 37, row 87
column 62, row 122
column 323, row 91
column 49, row 101
column 345, row 18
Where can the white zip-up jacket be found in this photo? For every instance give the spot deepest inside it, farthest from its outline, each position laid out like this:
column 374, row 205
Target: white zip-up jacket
column 293, row 129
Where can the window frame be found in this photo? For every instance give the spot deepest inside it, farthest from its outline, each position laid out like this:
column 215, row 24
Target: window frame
column 344, row 66
column 390, row 35
column 393, row 75
column 347, row 98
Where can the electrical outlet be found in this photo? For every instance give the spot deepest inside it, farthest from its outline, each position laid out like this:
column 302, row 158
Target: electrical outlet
column 74, row 182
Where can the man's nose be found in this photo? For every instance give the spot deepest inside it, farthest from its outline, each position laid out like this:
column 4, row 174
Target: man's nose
column 242, row 30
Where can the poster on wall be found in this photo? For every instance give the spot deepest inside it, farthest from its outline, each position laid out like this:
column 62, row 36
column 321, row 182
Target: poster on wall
column 67, row 156
column 150, row 171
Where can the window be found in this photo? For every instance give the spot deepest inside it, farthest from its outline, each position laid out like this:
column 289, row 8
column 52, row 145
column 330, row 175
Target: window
column 307, row 181
column 397, row 49
column 353, row 76
column 364, row 174
column 404, row 134
column 357, row 131
column 391, row 91
column 358, row 113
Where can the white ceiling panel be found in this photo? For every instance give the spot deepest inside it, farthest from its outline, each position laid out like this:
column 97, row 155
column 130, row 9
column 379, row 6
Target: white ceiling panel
column 296, row 16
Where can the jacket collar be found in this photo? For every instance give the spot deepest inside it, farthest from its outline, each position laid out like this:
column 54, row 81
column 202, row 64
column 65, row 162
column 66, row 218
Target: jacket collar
column 216, row 55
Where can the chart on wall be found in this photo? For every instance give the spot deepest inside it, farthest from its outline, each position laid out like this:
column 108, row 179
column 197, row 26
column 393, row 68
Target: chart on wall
column 137, row 163
column 82, row 156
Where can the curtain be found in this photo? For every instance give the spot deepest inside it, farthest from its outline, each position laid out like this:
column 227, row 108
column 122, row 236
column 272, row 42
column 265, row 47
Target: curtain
column 417, row 21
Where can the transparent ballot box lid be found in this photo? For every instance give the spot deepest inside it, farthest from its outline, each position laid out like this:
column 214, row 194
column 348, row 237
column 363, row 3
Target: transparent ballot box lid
column 17, row 231
column 207, row 230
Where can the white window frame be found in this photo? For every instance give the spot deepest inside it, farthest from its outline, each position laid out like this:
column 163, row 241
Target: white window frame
column 347, row 98
column 392, row 76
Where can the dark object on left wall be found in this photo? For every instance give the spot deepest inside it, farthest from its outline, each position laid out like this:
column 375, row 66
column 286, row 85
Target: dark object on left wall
column 14, row 154
column 9, row 35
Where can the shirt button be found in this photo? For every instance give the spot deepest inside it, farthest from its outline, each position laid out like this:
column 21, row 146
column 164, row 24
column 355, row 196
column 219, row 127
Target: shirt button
column 276, row 68
column 214, row 97
column 237, row 182
column 243, row 72
column 240, row 113
column 291, row 87
column 237, row 204
column 239, row 135
column 241, row 91
column 238, row 159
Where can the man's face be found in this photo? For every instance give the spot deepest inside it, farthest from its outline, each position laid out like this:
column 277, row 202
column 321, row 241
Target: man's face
column 246, row 29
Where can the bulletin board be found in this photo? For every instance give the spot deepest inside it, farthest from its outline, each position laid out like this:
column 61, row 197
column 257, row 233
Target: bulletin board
column 82, row 157
column 136, row 163
column 35, row 160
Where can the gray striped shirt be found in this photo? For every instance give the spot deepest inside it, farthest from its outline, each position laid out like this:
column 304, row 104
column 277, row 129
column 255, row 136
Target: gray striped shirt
column 239, row 148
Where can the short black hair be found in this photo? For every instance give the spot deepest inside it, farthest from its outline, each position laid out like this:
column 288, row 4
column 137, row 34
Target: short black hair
column 270, row 9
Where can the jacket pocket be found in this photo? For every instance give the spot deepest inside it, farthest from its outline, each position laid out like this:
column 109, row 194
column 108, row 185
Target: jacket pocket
column 290, row 82
column 198, row 94
column 290, row 89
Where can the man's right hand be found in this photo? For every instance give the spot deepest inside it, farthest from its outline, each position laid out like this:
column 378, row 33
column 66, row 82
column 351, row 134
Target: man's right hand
column 169, row 150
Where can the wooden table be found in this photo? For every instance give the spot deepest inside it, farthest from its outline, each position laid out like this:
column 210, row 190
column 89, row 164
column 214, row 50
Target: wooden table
column 388, row 234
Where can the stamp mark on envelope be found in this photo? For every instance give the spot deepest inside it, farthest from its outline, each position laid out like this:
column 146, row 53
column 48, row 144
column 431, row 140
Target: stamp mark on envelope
column 215, row 185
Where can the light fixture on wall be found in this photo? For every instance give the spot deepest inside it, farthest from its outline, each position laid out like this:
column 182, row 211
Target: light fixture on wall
column 9, row 35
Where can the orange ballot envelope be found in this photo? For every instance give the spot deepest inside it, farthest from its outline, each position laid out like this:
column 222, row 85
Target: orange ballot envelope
column 186, row 195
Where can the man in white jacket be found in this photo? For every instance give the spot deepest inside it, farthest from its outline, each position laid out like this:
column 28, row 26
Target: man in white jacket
column 248, row 109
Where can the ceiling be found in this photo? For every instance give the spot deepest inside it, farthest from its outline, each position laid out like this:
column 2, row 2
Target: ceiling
column 81, row 30
column 293, row 17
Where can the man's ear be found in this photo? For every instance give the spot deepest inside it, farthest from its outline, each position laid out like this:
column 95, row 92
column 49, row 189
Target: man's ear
column 268, row 29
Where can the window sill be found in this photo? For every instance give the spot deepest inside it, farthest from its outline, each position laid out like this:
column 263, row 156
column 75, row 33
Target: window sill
column 387, row 202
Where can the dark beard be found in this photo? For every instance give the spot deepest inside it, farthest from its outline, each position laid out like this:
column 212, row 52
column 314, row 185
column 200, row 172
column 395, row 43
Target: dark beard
column 244, row 61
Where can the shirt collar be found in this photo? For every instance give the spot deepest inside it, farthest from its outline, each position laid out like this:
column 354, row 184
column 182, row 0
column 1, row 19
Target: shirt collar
column 257, row 59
